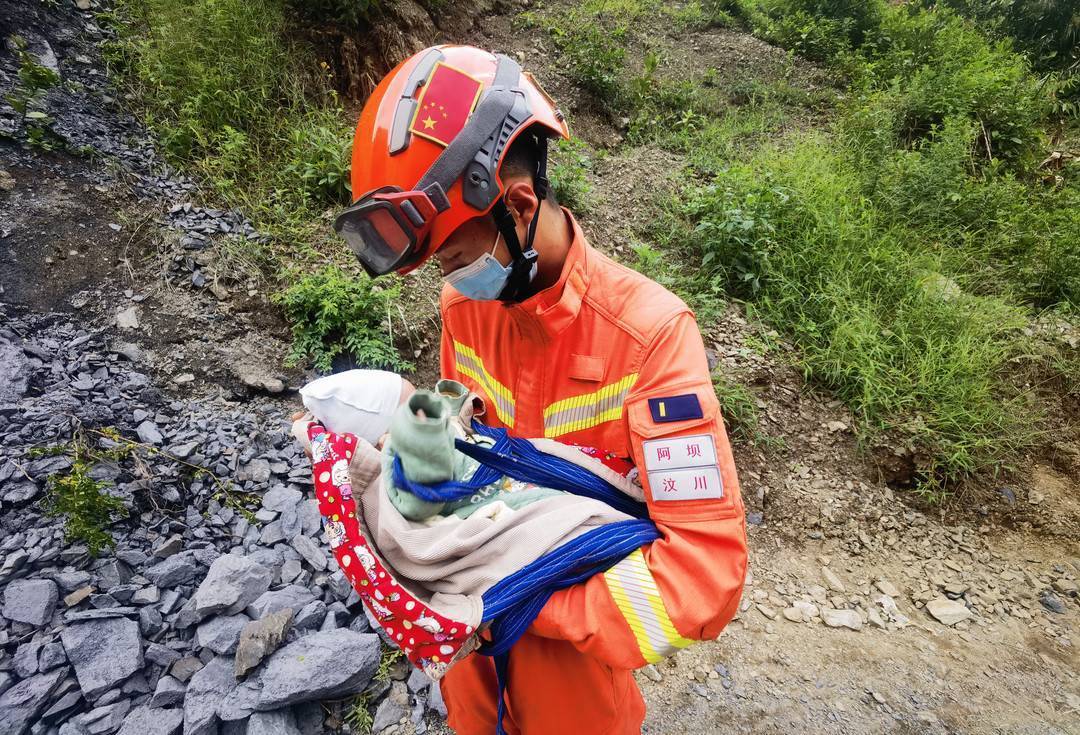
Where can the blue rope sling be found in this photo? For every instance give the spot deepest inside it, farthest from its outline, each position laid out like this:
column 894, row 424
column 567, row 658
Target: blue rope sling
column 513, row 603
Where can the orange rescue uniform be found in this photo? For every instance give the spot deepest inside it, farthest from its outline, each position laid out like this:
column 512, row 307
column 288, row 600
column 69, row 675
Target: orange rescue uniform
column 610, row 359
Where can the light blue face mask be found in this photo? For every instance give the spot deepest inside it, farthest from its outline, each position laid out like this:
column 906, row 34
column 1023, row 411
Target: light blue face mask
column 484, row 278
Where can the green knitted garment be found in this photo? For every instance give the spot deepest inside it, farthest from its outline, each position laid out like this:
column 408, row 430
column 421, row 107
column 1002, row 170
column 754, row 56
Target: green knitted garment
column 426, row 448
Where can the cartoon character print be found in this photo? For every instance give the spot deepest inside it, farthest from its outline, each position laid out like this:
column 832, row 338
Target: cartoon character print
column 321, row 449
column 387, row 605
column 339, row 474
column 381, row 610
column 431, row 625
column 335, row 533
column 367, row 561
column 434, row 669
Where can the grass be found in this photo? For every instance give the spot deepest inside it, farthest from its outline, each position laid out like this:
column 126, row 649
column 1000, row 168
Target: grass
column 903, row 248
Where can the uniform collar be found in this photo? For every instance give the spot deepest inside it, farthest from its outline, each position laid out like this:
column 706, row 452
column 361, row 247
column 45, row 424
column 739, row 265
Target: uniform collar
column 557, row 306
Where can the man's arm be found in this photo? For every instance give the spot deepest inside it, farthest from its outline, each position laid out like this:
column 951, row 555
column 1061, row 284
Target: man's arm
column 686, row 585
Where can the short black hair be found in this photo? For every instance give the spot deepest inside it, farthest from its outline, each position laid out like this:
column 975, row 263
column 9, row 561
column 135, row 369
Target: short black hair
column 521, row 159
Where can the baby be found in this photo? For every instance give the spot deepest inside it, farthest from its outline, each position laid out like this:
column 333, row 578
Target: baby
column 423, row 426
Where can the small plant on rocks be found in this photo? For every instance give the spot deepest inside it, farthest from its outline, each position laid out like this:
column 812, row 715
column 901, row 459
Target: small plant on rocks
column 333, row 313
column 87, row 509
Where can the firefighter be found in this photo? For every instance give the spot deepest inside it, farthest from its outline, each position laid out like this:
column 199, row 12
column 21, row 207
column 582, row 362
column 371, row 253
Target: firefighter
column 450, row 162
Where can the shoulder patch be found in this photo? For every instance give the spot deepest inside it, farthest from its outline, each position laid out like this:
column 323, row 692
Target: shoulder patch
column 675, row 408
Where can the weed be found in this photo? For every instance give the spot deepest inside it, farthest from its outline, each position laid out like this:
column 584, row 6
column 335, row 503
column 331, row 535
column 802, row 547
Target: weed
column 569, row 173
column 332, row 314
column 358, row 717
column 738, row 406
column 87, row 508
column 389, row 657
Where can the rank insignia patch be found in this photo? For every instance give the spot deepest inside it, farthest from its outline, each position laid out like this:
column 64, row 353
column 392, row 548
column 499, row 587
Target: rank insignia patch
column 675, row 408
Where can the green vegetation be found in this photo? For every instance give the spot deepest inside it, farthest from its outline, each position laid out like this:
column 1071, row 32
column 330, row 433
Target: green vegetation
column 87, row 508
column 333, row 313
column 358, row 716
column 235, row 100
column 570, row 164
column 34, row 80
column 903, row 248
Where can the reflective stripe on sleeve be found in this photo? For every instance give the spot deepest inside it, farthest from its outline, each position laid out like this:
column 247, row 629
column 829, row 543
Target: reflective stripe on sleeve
column 588, row 410
column 638, row 599
column 469, row 363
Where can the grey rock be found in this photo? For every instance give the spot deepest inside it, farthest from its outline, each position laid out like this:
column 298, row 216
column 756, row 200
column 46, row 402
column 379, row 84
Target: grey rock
column 221, row 633
column 207, row 690
column 14, row 372
column 233, row 583
column 148, row 720
column 435, row 699
column 172, row 545
column 21, row 704
column 319, row 666
column 309, row 718
column 76, row 616
column 293, row 597
column 30, row 601
column 279, row 722
column 310, row 518
column 1052, row 602
column 386, row 714
column 146, row 595
column 271, row 533
column 169, row 691
column 185, row 668
column 63, row 707
column 161, row 655
column 71, row 581
column 175, row 570
column 260, row 638
column 311, row 616
column 26, row 658
column 106, row 718
column 312, row 552
column 149, row 433
column 280, row 497
column 103, row 652
column 52, row 655
column 241, row 702
column 418, row 680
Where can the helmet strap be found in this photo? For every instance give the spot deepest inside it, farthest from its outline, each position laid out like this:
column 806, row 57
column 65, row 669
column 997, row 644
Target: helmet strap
column 522, row 259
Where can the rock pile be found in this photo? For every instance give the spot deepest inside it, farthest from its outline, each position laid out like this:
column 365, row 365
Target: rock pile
column 219, row 609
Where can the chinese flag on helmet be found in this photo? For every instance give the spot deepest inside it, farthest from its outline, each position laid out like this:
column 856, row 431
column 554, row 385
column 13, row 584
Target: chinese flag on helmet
column 447, row 99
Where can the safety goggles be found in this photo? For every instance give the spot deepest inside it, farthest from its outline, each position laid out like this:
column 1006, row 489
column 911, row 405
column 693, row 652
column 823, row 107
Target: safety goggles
column 386, row 227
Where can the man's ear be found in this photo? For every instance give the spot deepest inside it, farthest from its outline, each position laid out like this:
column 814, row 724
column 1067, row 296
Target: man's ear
column 521, row 200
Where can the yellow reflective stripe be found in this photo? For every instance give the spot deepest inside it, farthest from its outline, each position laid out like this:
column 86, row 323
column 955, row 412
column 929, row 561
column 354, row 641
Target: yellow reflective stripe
column 627, row 609
column 469, row 363
column 636, row 595
column 591, row 409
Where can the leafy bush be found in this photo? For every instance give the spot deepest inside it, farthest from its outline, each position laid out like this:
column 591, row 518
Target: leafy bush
column 332, row 313
column 595, row 54
column 816, row 29
column 86, row 508
column 871, row 305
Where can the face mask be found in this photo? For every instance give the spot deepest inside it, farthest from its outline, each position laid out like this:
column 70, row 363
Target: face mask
column 484, row 278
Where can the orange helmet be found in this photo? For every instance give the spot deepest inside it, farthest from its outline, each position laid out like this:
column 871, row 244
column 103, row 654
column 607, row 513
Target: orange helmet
column 427, row 152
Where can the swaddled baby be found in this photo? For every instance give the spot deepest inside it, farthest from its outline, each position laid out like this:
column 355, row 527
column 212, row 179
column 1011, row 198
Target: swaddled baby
column 422, row 428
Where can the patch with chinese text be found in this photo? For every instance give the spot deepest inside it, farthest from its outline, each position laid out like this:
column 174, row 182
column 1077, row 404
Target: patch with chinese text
column 683, row 468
